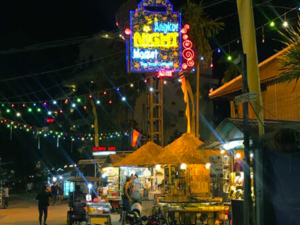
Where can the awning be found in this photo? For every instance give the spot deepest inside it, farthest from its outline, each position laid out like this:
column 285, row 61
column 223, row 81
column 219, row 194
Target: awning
column 231, row 129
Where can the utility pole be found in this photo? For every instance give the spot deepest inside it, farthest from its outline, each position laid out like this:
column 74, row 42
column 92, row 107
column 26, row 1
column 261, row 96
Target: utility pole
column 247, row 180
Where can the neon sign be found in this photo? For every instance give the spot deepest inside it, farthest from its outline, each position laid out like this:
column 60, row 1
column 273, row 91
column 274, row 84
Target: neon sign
column 104, row 148
column 155, row 38
column 188, row 52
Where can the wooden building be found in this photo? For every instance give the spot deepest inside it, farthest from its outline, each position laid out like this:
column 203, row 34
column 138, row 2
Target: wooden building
column 280, row 101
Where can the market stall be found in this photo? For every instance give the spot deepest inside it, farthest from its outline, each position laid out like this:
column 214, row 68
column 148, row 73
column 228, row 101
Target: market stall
column 188, row 182
column 142, row 162
column 111, row 178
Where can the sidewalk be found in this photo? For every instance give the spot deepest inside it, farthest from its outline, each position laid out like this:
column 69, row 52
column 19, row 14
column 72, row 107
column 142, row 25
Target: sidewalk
column 23, row 211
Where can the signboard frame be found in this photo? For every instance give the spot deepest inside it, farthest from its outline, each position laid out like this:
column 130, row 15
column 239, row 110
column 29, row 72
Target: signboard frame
column 165, row 55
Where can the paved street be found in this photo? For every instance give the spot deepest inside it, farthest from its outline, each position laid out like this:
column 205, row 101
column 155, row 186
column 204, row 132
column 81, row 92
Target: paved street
column 23, row 211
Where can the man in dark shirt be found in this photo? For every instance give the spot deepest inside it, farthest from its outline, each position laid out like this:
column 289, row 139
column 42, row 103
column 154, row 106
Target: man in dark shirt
column 43, row 204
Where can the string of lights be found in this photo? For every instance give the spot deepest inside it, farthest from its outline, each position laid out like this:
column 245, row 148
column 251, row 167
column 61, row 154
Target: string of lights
column 46, row 132
column 271, row 24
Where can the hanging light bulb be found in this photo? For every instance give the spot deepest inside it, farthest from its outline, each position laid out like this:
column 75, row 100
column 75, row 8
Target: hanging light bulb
column 132, row 85
column 18, row 114
column 98, row 102
column 123, row 98
column 49, row 113
column 73, row 105
column 229, row 58
column 219, row 50
column 151, row 89
column 66, row 101
column 29, row 109
column 38, row 109
column 54, row 102
column 78, row 100
column 110, row 102
column 238, row 155
column 202, row 58
column 8, row 111
column 90, row 96
column 272, row 24
column 104, row 92
column 207, row 165
column 85, row 107
column 24, row 105
column 285, row 24
column 13, row 105
column 61, row 111
column 158, row 167
column 183, row 166
column 165, row 82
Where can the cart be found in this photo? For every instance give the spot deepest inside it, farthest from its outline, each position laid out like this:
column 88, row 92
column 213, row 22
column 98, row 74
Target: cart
column 98, row 213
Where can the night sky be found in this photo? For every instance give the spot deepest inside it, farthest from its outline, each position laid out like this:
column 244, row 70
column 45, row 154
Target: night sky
column 31, row 22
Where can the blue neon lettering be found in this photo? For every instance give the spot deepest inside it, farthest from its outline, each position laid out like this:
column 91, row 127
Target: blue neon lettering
column 165, row 27
column 159, row 64
column 145, row 54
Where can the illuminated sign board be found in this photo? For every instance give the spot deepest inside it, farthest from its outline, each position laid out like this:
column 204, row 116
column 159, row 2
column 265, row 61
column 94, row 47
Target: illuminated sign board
column 155, row 38
column 104, row 148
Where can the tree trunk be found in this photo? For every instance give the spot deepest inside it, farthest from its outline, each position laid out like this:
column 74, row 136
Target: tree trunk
column 197, row 99
column 96, row 129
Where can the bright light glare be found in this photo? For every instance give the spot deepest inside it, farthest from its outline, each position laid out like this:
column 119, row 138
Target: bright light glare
column 183, row 166
column 158, row 167
column 232, row 144
column 285, row 24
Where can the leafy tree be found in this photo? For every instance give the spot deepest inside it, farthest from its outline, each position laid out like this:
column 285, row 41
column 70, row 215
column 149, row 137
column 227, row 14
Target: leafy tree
column 234, row 68
column 291, row 58
column 202, row 28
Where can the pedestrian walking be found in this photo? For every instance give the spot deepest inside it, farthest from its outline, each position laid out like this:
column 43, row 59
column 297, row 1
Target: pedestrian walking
column 6, row 196
column 60, row 192
column 43, row 198
column 29, row 188
column 54, row 190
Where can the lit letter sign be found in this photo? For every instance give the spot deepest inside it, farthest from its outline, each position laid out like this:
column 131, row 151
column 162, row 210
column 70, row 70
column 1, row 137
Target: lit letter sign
column 155, row 38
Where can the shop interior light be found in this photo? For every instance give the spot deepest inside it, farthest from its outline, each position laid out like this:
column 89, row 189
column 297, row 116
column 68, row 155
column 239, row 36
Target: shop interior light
column 222, row 151
column 54, row 179
column 183, row 166
column 60, row 177
column 251, row 155
column 158, row 167
column 90, row 186
column 207, row 165
column 238, row 155
column 232, row 144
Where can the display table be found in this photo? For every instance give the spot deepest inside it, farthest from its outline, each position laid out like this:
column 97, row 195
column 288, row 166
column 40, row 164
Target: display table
column 99, row 213
column 115, row 202
column 185, row 215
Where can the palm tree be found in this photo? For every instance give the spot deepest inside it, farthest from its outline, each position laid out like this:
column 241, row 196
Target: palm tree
column 234, row 67
column 201, row 29
column 290, row 59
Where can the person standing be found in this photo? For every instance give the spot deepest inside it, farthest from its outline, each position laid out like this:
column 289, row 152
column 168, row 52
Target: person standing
column 54, row 193
column 60, row 194
column 43, row 198
column 135, row 189
column 29, row 188
column 6, row 196
column 126, row 198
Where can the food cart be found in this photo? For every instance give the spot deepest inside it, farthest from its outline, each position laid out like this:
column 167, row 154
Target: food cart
column 97, row 210
column 188, row 196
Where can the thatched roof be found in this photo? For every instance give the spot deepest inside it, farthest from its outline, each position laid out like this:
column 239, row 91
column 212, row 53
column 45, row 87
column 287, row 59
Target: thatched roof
column 147, row 155
column 183, row 150
column 112, row 159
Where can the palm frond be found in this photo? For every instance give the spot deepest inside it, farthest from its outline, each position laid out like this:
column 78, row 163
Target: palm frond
column 290, row 60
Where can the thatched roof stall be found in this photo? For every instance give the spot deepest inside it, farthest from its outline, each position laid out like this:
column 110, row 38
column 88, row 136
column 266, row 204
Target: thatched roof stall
column 147, row 155
column 183, row 150
column 112, row 159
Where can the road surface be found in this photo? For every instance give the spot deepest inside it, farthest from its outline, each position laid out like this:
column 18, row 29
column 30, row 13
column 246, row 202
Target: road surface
column 23, row 211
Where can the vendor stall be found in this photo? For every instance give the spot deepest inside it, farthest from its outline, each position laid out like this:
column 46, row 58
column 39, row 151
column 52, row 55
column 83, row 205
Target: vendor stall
column 188, row 183
column 142, row 163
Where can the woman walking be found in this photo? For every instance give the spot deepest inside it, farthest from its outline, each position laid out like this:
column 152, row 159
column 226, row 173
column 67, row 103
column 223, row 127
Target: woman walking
column 43, row 198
